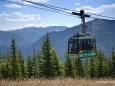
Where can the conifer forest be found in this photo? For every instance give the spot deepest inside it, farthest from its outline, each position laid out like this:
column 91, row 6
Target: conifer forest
column 47, row 64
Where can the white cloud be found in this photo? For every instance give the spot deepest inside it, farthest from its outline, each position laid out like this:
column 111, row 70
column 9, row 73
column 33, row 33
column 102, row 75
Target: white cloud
column 36, row 25
column 18, row 16
column 4, row 15
column 77, row 4
column 69, row 24
column 13, row 6
column 55, row 25
column 41, row 25
column 96, row 10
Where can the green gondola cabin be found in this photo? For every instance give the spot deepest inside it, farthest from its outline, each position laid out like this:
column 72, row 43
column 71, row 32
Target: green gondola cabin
column 81, row 46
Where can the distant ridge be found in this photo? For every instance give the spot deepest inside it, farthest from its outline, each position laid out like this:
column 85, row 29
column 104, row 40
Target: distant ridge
column 103, row 30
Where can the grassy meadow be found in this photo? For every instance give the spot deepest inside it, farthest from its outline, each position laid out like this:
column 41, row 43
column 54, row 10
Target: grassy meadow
column 59, row 82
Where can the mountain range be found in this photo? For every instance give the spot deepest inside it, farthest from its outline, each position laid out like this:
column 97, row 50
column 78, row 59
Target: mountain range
column 29, row 39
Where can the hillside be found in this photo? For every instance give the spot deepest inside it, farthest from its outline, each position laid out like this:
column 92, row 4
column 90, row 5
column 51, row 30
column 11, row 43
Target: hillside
column 3, row 49
column 35, row 33
column 29, row 39
column 5, row 39
column 26, row 36
column 103, row 30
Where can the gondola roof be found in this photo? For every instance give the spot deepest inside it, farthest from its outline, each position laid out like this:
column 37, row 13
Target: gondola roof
column 82, row 36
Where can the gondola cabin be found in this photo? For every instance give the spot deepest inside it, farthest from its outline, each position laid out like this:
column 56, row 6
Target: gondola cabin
column 81, row 46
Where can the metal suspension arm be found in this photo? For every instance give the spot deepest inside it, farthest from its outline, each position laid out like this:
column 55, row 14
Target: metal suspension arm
column 82, row 16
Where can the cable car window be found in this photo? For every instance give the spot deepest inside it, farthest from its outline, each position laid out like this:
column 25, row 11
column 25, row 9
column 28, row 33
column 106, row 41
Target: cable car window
column 70, row 40
column 85, row 44
column 73, row 47
column 81, row 45
column 91, row 44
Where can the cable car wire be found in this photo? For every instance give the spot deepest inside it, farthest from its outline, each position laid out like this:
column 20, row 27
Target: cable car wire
column 55, row 9
column 49, row 5
column 101, row 15
column 42, row 8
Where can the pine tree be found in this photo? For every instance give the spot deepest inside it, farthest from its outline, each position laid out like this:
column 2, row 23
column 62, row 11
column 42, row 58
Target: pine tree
column 8, row 66
column 35, row 64
column 3, row 71
column 106, row 66
column 46, row 57
column 100, row 66
column 110, row 68
column 62, row 69
column 96, row 64
column 40, row 65
column 5, row 68
column 56, row 63
column 113, row 63
column 69, row 67
column 29, row 67
column 21, row 64
column 13, row 51
column 1, row 67
column 86, row 67
column 13, row 56
column 80, row 68
column 103, row 65
column 92, row 70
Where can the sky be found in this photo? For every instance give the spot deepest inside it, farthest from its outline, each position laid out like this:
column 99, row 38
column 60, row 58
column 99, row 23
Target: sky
column 13, row 16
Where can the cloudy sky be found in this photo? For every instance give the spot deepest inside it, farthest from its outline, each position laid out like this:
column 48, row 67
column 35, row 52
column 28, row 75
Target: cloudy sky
column 13, row 16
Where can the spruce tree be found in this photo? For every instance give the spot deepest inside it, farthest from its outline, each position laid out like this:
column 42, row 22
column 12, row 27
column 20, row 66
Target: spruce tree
column 40, row 65
column 13, row 51
column 110, row 68
column 56, row 63
column 8, row 66
column 80, row 67
column 106, row 66
column 103, row 65
column 69, row 67
column 86, row 67
column 35, row 64
column 46, row 57
column 29, row 67
column 21, row 64
column 3, row 71
column 100, row 66
column 1, row 67
column 92, row 70
column 113, row 63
